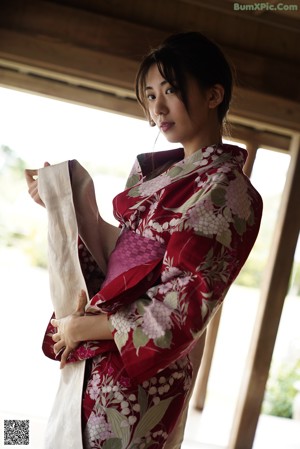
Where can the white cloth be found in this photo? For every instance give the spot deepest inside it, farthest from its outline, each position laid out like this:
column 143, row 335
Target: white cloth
column 66, row 281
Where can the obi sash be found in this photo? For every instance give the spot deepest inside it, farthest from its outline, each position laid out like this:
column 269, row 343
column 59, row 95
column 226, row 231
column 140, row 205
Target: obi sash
column 132, row 250
column 134, row 267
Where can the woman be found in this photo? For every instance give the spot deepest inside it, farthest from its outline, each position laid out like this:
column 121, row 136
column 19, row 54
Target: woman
column 188, row 219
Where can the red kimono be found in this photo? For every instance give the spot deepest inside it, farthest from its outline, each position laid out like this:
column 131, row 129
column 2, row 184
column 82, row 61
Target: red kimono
column 188, row 226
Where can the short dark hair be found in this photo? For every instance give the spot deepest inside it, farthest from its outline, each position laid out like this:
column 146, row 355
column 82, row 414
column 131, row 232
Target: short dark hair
column 187, row 53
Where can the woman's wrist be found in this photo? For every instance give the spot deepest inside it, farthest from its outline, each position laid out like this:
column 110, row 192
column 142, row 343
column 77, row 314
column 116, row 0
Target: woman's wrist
column 76, row 328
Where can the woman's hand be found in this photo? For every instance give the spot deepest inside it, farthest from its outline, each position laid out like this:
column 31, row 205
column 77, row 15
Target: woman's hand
column 65, row 338
column 32, row 182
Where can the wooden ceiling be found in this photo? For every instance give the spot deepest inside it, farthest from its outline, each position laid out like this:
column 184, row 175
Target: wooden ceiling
column 88, row 51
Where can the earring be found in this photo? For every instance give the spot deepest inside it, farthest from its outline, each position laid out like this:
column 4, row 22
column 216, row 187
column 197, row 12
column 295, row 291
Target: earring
column 152, row 123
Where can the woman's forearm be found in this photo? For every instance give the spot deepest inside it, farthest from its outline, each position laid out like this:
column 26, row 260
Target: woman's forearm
column 91, row 327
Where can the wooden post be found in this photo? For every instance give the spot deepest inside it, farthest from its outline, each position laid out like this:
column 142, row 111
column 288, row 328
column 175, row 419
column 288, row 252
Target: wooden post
column 205, row 366
column 272, row 299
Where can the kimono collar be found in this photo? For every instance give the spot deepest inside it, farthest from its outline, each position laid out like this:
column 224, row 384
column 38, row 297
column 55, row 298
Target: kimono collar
column 151, row 161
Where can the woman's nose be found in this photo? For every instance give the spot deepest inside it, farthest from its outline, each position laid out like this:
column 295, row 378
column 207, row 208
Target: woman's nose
column 160, row 107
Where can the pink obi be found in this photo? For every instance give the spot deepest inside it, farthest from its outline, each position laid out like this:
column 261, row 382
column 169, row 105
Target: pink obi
column 132, row 250
column 133, row 267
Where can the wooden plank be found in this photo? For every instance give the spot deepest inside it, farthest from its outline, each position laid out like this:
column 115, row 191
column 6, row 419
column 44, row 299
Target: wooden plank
column 79, row 27
column 264, row 111
column 216, row 18
column 273, row 294
column 264, row 73
column 64, row 62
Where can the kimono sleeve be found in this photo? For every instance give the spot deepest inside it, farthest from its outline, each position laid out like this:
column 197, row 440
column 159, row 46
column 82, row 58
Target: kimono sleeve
column 203, row 257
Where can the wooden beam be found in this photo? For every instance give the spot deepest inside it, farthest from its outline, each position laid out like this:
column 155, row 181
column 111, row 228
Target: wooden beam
column 264, row 67
column 60, row 61
column 263, row 139
column 87, row 93
column 273, row 294
column 60, row 90
column 265, row 111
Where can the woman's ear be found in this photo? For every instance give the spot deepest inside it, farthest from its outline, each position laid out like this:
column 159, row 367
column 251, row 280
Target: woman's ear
column 215, row 96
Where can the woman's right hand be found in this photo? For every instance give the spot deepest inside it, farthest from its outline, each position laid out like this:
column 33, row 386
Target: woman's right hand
column 32, row 182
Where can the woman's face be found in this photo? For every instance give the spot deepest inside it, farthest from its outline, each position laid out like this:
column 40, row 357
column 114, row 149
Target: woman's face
column 171, row 116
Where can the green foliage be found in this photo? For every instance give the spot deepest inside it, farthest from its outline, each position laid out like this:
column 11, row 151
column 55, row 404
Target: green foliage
column 11, row 162
column 281, row 391
column 19, row 228
column 295, row 278
column 252, row 273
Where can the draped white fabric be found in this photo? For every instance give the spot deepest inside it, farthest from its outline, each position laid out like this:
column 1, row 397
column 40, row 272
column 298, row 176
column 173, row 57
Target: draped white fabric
column 66, row 281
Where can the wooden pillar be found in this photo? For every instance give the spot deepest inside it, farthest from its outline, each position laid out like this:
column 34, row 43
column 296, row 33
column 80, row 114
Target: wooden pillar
column 213, row 327
column 204, row 370
column 273, row 294
column 252, row 147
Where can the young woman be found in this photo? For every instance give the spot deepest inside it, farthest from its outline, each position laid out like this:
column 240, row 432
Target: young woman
column 188, row 220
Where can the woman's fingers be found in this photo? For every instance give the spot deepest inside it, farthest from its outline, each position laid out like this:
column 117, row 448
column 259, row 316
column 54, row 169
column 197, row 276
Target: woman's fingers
column 32, row 183
column 30, row 176
column 64, row 357
column 64, row 344
column 54, row 322
column 81, row 302
column 58, row 347
column 33, row 186
column 56, row 337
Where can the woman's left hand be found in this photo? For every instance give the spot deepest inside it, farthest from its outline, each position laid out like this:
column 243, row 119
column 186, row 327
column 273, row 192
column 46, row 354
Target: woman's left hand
column 65, row 340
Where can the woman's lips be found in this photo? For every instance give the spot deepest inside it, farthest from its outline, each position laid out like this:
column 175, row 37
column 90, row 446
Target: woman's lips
column 165, row 126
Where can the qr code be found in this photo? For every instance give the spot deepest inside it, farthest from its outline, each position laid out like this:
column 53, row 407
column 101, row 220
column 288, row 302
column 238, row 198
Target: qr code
column 16, row 432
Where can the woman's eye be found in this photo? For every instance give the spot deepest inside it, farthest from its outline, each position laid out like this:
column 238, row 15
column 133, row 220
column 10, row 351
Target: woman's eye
column 150, row 97
column 171, row 90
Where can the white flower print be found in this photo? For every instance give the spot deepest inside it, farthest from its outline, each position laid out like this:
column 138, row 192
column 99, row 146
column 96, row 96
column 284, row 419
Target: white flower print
column 205, row 221
column 98, row 428
column 148, row 233
column 170, row 273
column 208, row 151
column 156, row 319
column 95, row 381
column 94, row 392
column 121, row 322
column 200, row 182
column 150, row 187
column 237, row 198
column 132, row 420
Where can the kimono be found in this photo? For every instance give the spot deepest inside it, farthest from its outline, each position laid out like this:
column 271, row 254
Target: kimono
column 187, row 227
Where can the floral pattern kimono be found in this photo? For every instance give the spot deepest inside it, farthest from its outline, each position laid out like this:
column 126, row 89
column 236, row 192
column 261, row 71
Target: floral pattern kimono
column 187, row 227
